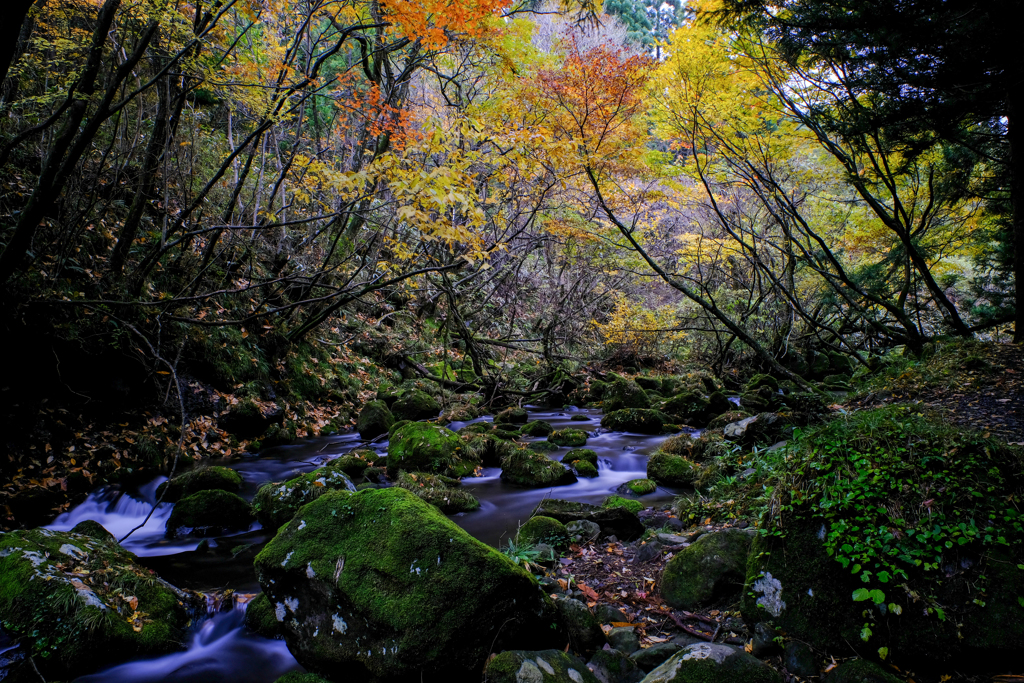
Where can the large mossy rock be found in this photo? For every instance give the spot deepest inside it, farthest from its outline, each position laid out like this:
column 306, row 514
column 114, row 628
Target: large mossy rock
column 672, row 470
column 573, row 438
column 639, row 420
column 613, row 521
column 79, row 601
column 883, row 545
column 707, row 662
column 526, row 468
column 277, row 502
column 424, row 447
column 512, row 416
column 374, row 419
column 440, row 491
column 415, row 405
column 547, row 666
column 201, row 479
column 623, row 393
column 248, row 418
column 543, row 530
column 383, row 587
column 582, row 627
column 712, row 569
column 209, row 513
column 260, row 618
column 536, row 428
column 690, row 408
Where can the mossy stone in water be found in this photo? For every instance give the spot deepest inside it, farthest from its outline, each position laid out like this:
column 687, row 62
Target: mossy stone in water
column 354, row 464
column 619, row 522
column 577, row 454
column 423, row 447
column 713, row 663
column 260, row 617
column 568, row 437
column 416, row 405
column 727, row 418
column 200, row 479
column 623, row 393
column 672, row 470
column 277, row 502
column 209, row 513
column 585, row 468
column 526, row 468
column 513, row 415
column 642, row 421
column 689, row 407
column 374, row 419
column 384, row 587
column 612, row 502
column 543, row 446
column 536, row 428
column 640, row 487
column 547, row 666
column 543, row 530
column 758, row 381
column 439, row 491
column 69, row 598
column 712, row 568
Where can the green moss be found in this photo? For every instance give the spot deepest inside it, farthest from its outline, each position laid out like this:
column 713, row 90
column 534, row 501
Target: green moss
column 516, row 666
column 758, row 381
column 727, row 418
column 633, row 506
column 713, row 663
column 541, row 529
column 423, row 447
column 578, row 454
column 642, row 421
column 439, row 491
column 622, row 393
column 585, row 468
column 200, row 479
column 672, row 470
column 712, row 568
column 374, row 419
column 689, row 407
column 512, row 416
column 209, row 513
column 277, row 502
column 69, row 596
column 260, row 619
column 568, row 437
column 641, row 487
column 382, row 585
column 354, row 464
column 543, row 446
column 526, row 468
column 536, row 428
column 416, row 405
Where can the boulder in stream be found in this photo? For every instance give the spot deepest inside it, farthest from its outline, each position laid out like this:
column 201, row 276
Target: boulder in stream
column 526, row 468
column 277, row 502
column 209, row 513
column 374, row 419
column 712, row 568
column 425, row 447
column 200, row 479
column 568, row 437
column 442, row 492
column 617, row 522
column 382, row 586
column 639, row 420
column 415, row 404
column 623, row 393
column 80, row 601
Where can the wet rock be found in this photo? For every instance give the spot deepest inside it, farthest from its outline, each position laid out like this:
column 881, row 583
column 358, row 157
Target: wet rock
column 277, row 502
column 673, row 539
column 727, row 418
column 517, row 416
column 799, row 659
column 585, row 634
column 672, row 470
column 623, row 393
column 526, row 468
column 638, row 420
column 654, row 656
column 765, row 641
column 586, row 469
column 612, row 521
column 248, row 419
column 440, row 491
column 713, row 662
column 860, row 671
column 675, row 523
column 638, row 487
column 568, row 437
column 543, row 530
column 685, row 640
column 74, row 601
column 689, row 408
column 415, row 405
column 614, row 666
column 606, row 614
column 712, row 568
column 583, row 531
column 384, row 587
column 374, row 419
column 648, row 552
column 209, row 513
column 260, row 618
column 580, row 454
column 547, row 666
column 624, row 639
column 536, row 428
column 200, row 479
column 425, row 447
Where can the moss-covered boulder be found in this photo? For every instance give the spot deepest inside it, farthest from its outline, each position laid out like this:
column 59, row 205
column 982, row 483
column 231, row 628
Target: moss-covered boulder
column 641, row 421
column 543, row 530
column 620, row 503
column 200, row 479
column 524, row 467
column 209, row 513
column 374, row 419
column 488, row 450
column 761, row 380
column 720, row 421
column 578, row 454
column 618, row 522
column 543, row 447
column 706, row 662
column 711, row 569
column 586, row 469
column 260, row 617
column 690, row 408
column 536, row 428
column 354, row 464
column 415, row 404
column 440, row 491
column 423, row 447
column 547, row 666
column 80, row 602
column 622, row 393
column 638, row 487
column 854, row 558
column 384, row 587
column 582, row 627
column 672, row 470
column 514, row 416
column 249, row 418
column 763, row 429
column 760, row 400
column 277, row 502
column 568, row 437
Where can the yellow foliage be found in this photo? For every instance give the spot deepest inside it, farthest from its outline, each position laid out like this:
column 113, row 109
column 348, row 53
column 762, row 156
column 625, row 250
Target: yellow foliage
column 641, row 330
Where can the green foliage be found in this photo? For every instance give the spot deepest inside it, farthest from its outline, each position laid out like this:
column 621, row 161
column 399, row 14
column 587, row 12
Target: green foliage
column 633, row 506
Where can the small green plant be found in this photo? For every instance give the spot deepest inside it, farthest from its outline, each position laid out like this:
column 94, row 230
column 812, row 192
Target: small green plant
column 521, row 554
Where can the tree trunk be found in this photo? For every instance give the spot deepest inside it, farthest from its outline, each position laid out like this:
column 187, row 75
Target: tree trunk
column 10, row 30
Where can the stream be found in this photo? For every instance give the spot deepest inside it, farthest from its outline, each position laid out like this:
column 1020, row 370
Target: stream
column 221, row 649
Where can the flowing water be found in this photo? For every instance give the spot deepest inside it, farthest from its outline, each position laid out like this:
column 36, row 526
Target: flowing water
column 221, row 649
